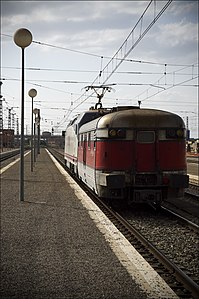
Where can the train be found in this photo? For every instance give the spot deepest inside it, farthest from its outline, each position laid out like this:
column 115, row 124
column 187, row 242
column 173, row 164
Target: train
column 128, row 154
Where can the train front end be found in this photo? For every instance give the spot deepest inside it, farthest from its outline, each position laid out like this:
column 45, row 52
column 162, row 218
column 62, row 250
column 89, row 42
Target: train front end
column 140, row 156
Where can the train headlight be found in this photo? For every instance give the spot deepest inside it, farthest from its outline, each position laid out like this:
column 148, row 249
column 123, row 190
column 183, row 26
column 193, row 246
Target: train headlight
column 170, row 133
column 112, row 133
column 175, row 133
column 180, row 133
column 117, row 133
column 121, row 133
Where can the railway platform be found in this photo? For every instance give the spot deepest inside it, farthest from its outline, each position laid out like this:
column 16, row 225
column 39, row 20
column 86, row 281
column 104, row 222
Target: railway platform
column 57, row 244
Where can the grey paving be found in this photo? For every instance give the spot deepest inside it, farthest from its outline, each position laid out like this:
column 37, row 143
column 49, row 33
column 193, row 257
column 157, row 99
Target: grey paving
column 50, row 248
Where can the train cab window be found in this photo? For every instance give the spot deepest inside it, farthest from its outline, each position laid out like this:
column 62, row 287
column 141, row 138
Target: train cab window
column 146, row 137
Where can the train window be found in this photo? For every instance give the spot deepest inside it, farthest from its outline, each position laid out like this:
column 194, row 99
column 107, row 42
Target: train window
column 82, row 139
column 146, row 136
column 89, row 140
column 85, row 139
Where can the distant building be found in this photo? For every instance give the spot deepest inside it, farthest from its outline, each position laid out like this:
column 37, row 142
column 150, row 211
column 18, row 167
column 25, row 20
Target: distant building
column 46, row 134
column 7, row 138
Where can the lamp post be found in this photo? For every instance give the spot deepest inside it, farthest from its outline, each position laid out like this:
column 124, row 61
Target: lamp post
column 22, row 38
column 32, row 93
column 1, row 119
column 35, row 111
column 38, row 131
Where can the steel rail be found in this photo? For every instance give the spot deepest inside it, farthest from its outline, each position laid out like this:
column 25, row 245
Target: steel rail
column 6, row 155
column 189, row 223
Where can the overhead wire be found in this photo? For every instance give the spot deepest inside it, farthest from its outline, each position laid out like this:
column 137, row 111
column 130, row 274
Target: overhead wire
column 174, row 85
column 96, row 55
column 96, row 71
column 116, row 58
column 157, row 82
column 80, row 82
column 127, row 52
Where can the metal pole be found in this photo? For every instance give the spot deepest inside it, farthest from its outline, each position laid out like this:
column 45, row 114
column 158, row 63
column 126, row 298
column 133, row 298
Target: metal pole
column 32, row 137
column 39, row 139
column 22, row 133
column 38, row 126
column 1, row 118
column 34, row 142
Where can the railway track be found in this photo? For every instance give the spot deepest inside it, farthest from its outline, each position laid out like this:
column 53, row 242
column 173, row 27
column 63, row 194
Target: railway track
column 188, row 206
column 6, row 155
column 183, row 284
column 193, row 226
column 193, row 191
column 173, row 235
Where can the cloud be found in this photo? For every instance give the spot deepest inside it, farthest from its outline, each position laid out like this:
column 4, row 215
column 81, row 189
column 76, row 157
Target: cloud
column 177, row 34
column 99, row 27
column 71, row 15
column 188, row 8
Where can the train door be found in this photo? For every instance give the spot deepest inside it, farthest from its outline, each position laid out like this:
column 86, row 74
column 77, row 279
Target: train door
column 145, row 151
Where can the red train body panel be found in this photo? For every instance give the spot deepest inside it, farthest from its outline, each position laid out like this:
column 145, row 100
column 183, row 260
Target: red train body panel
column 130, row 154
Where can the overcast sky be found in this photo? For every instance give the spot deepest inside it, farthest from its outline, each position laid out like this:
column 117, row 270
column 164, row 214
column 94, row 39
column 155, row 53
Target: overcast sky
column 74, row 40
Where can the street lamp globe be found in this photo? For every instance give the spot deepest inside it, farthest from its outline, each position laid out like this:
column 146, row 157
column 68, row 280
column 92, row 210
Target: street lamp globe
column 32, row 93
column 35, row 111
column 23, row 38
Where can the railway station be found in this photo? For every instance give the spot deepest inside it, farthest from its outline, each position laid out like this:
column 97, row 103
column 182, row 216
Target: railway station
column 57, row 244
column 99, row 166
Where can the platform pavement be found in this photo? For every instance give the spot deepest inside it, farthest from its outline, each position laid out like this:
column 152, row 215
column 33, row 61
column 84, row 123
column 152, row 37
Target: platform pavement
column 50, row 247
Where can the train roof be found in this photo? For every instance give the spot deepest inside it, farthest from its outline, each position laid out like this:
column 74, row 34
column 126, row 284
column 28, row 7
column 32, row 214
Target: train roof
column 88, row 116
column 148, row 118
column 83, row 118
column 136, row 118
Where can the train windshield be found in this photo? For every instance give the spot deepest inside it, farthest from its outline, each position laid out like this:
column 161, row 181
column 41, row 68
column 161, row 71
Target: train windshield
column 146, row 137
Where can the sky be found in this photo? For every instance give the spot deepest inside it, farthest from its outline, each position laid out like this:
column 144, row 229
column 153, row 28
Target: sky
column 74, row 43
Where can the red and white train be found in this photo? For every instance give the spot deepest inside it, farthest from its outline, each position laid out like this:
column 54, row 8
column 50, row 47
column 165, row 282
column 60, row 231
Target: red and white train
column 128, row 153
